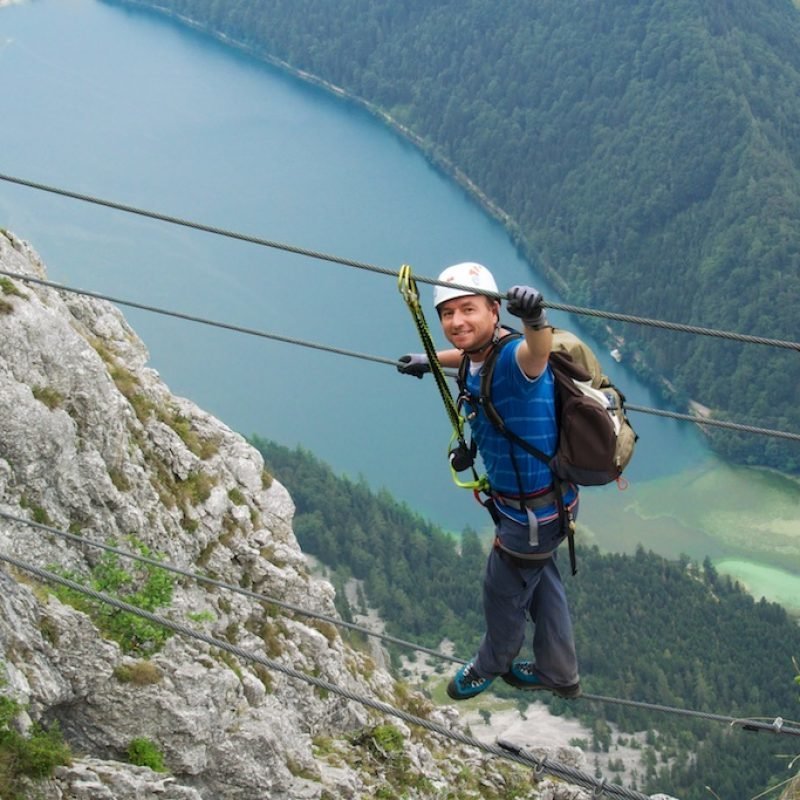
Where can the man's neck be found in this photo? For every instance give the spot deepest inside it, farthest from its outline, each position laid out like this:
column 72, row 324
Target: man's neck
column 478, row 356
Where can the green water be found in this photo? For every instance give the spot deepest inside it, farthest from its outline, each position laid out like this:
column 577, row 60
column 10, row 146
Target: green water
column 776, row 585
column 734, row 515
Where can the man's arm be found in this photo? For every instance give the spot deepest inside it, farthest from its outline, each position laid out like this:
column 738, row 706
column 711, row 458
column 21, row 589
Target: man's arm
column 533, row 353
column 525, row 302
column 449, row 358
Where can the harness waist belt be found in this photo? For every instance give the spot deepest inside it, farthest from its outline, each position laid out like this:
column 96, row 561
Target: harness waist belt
column 523, row 560
column 533, row 501
column 525, row 556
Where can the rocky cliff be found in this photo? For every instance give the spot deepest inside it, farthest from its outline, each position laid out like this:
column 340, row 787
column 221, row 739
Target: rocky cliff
column 92, row 443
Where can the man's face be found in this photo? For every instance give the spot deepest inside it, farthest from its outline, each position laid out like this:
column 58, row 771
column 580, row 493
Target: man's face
column 468, row 322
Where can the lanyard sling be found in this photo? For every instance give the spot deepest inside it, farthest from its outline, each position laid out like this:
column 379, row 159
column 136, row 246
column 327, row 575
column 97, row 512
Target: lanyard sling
column 408, row 289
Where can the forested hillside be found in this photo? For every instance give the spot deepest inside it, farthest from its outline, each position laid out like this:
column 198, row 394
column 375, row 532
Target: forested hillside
column 673, row 633
column 647, row 154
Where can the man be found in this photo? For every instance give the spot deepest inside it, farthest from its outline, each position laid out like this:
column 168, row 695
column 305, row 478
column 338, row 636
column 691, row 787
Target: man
column 521, row 573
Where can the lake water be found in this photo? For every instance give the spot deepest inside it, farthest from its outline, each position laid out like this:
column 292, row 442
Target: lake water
column 129, row 106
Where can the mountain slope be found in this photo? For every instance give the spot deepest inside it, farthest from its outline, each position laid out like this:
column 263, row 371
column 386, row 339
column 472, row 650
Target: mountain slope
column 646, row 629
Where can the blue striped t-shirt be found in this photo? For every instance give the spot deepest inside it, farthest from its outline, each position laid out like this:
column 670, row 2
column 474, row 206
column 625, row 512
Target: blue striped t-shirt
column 527, row 406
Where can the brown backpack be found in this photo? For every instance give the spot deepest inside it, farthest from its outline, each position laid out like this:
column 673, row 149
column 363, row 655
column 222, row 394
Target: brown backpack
column 595, row 438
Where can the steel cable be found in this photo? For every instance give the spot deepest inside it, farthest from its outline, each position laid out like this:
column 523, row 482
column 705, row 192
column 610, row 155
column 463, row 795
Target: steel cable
column 296, row 250
column 196, row 576
column 200, row 320
column 777, row 725
column 352, row 354
column 198, row 226
column 720, row 423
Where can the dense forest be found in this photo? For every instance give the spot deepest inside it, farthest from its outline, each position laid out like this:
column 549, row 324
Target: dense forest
column 644, row 154
column 671, row 633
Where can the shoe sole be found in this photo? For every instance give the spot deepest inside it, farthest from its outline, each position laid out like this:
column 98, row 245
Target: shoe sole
column 453, row 696
column 567, row 692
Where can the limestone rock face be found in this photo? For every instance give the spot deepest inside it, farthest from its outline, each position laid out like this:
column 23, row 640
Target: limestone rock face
column 93, row 444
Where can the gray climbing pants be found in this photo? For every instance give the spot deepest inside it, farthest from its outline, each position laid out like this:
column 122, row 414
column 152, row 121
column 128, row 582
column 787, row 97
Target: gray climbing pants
column 511, row 592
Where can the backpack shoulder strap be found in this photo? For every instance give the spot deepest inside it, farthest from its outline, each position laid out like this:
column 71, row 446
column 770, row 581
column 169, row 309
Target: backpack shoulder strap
column 461, row 377
column 487, row 373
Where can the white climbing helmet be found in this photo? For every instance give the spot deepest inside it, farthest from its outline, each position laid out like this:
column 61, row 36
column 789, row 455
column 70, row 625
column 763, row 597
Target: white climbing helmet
column 468, row 273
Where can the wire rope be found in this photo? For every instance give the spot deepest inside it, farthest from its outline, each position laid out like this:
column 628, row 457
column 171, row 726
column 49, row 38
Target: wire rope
column 505, row 748
column 200, row 320
column 353, row 354
column 777, row 725
column 198, row 226
column 200, row 578
column 720, row 423
column 296, row 250
column 750, row 724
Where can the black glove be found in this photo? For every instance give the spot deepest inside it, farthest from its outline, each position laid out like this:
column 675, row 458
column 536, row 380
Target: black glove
column 415, row 364
column 525, row 302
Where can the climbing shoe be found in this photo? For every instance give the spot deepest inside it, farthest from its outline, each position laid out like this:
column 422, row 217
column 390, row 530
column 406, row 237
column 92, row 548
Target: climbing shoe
column 523, row 675
column 467, row 683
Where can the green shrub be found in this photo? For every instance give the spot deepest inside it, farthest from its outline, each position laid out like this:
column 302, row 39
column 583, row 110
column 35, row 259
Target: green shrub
column 126, row 381
column 142, row 407
column 195, row 489
column 49, row 396
column 119, row 480
column 201, row 616
column 7, row 287
column 236, row 497
column 49, row 630
column 144, row 752
column 145, row 586
column 33, row 756
column 188, row 524
column 387, row 739
column 39, row 514
column 202, row 448
column 141, row 673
